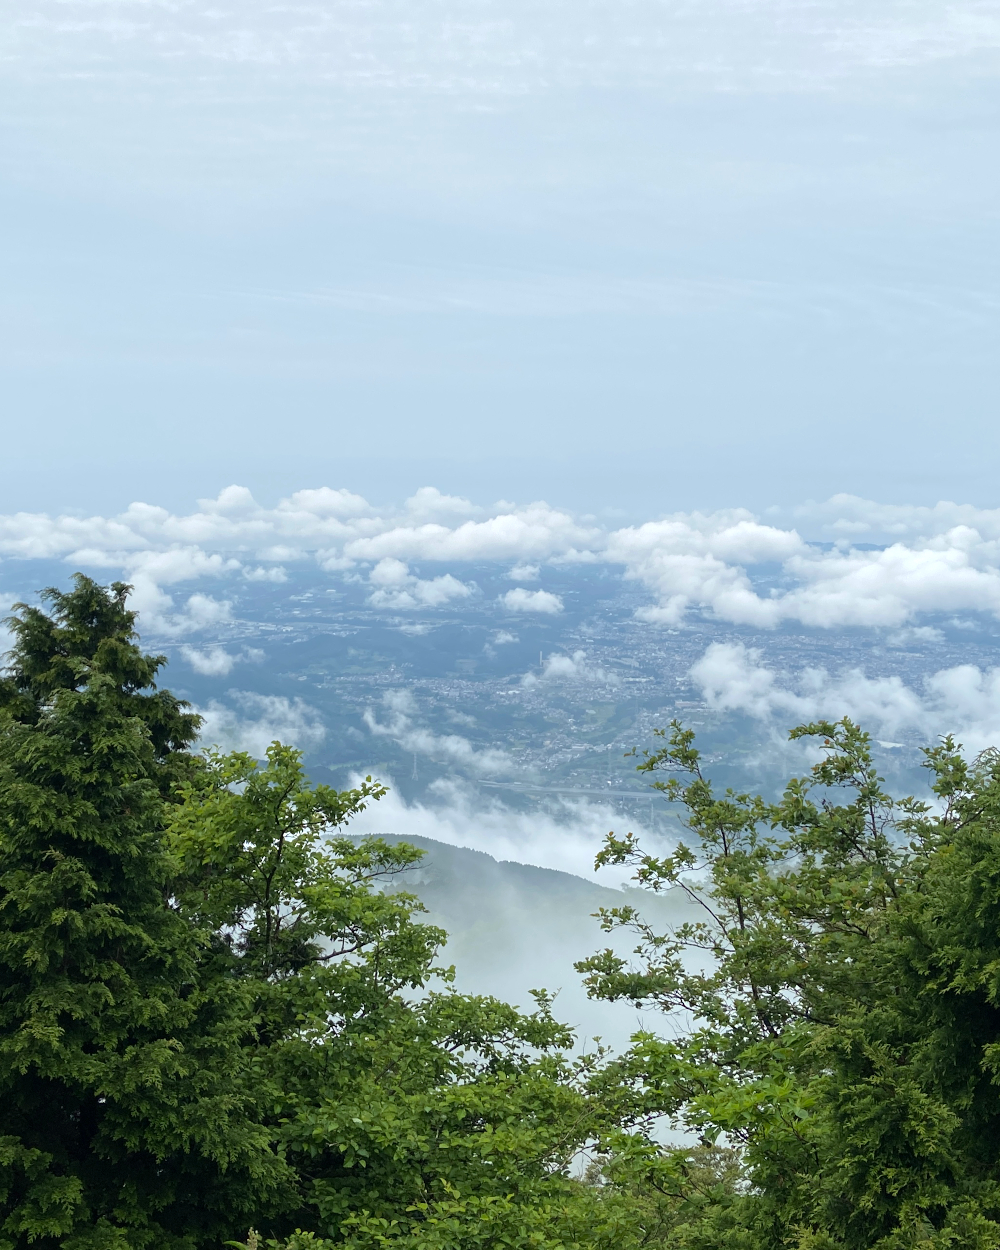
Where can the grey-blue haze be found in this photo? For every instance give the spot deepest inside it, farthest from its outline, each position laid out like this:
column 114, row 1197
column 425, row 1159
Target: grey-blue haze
column 631, row 257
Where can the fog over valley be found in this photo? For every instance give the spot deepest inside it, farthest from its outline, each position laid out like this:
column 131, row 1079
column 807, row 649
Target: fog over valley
column 496, row 666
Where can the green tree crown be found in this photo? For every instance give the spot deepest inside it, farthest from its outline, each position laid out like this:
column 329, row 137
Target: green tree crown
column 836, row 997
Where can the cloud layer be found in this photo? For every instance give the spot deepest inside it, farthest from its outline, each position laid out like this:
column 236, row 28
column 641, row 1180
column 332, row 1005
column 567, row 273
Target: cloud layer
column 565, row 834
column 497, row 50
column 875, row 565
column 251, row 722
column 963, row 700
column 401, row 724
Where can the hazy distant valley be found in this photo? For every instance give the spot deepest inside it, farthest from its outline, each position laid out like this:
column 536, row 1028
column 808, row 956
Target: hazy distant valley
column 528, row 706
column 506, row 731
column 532, row 705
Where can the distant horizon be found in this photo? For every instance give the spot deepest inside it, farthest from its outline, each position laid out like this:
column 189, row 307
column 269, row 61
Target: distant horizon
column 846, row 561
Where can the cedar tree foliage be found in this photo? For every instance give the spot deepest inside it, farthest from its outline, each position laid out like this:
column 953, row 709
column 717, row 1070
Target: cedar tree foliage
column 126, row 1108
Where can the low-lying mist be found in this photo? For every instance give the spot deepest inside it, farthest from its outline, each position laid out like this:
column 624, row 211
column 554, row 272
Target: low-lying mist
column 514, row 927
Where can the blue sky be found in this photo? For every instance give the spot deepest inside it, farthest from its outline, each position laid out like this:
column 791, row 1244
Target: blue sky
column 629, row 257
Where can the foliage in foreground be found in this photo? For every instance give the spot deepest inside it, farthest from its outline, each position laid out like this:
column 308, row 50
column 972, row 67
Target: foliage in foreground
column 837, row 997
column 214, row 1016
column 440, row 1120
column 211, row 1015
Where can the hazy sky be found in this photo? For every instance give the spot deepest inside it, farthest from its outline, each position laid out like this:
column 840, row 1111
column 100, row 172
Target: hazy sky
column 625, row 255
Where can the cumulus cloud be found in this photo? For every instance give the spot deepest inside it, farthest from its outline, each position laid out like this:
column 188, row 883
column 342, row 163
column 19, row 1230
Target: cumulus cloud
column 217, row 661
column 396, row 587
column 251, row 722
column 534, row 531
column 213, row 662
column 150, row 571
column 400, row 710
column 573, row 667
column 524, row 573
column 701, row 562
column 429, row 504
column 729, row 564
column 275, row 573
column 521, row 600
column 156, row 610
column 325, row 502
column 963, row 700
column 849, row 518
column 415, row 629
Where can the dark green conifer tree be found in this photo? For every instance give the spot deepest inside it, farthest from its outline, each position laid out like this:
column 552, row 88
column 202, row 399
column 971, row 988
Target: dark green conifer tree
column 126, row 1109
column 89, row 632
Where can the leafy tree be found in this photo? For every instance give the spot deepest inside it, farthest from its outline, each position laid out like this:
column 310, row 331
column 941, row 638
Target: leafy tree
column 837, row 996
column 442, row 1120
column 681, row 1197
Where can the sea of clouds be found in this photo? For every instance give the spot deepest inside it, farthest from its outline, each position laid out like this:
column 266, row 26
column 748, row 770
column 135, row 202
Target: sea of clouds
column 848, row 562
column 900, row 572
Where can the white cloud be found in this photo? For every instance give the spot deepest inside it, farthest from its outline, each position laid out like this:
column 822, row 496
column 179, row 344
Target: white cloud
column 212, row 662
column 150, row 570
column 446, row 748
column 849, row 517
column 273, row 574
column 325, row 502
column 524, row 573
column 217, row 661
column 701, row 561
column 396, row 587
column 569, row 668
column 521, row 600
column 156, row 612
column 257, row 720
column 536, row 530
column 940, row 560
column 919, row 635
column 201, row 611
column 963, row 700
column 564, row 834
column 428, row 504
column 889, row 587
